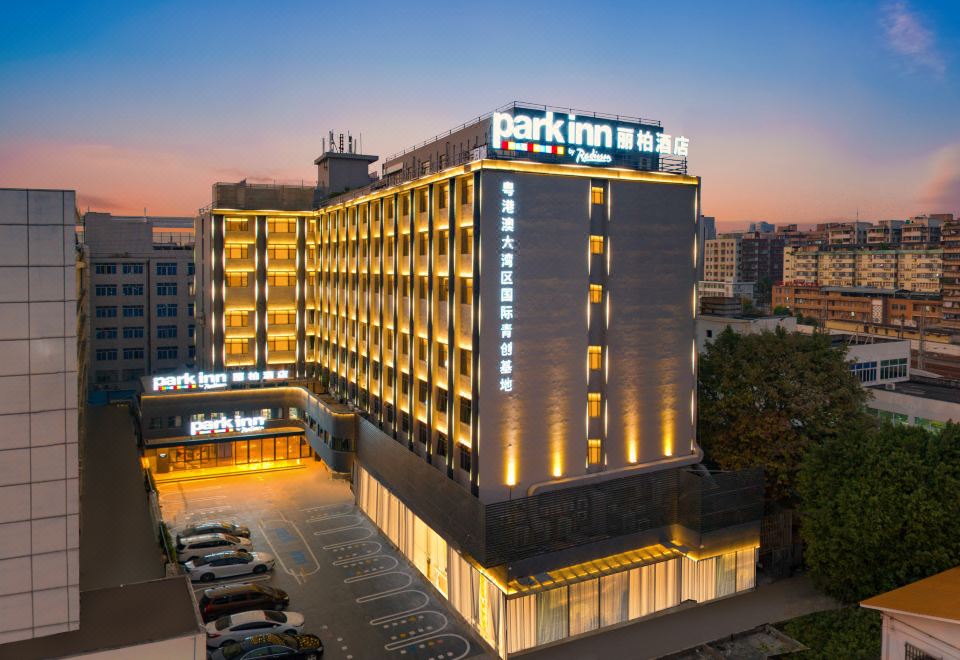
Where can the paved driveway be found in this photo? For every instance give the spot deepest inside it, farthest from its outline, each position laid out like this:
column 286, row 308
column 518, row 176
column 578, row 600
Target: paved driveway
column 356, row 592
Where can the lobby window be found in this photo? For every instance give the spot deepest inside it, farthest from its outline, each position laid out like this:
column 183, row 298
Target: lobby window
column 133, row 354
column 237, row 319
column 235, row 280
column 105, row 269
column 135, row 332
column 465, row 411
column 166, row 332
column 166, row 268
column 106, row 333
column 236, row 346
column 133, row 269
column 166, row 310
column 596, row 293
column 596, row 357
column 133, row 289
column 465, row 362
column 593, row 404
column 465, row 458
column 596, row 244
column 596, row 194
column 133, row 311
column 466, row 240
column 105, row 290
column 282, row 279
column 106, row 312
column 237, row 252
column 166, row 352
column 106, row 354
column 594, row 453
column 444, row 239
column 166, row 288
column 466, row 291
column 238, row 224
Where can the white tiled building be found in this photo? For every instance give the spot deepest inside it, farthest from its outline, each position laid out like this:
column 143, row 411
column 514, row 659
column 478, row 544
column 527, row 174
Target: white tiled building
column 39, row 485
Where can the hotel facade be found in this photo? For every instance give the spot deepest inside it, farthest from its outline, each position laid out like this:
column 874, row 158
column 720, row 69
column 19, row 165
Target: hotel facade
column 507, row 311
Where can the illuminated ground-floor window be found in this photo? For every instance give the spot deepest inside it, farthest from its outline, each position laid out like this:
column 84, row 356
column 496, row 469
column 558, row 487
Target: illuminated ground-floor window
column 512, row 622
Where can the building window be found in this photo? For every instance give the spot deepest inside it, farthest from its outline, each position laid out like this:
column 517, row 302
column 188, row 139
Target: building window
column 441, row 444
column 596, row 194
column 423, row 391
column 441, row 400
column 466, row 191
column 596, row 293
column 442, row 197
column 133, row 354
column 166, row 352
column 105, row 269
column 166, row 310
column 133, row 290
column 282, row 279
column 404, row 383
column 238, row 279
column 191, row 268
column 405, row 245
column 466, row 291
column 281, row 318
column 422, row 349
column 422, row 198
column 282, row 344
column 238, row 224
column 166, row 288
column 236, row 346
column 105, row 290
column 281, row 225
column 422, row 243
column 895, row 368
column 107, row 312
column 423, row 287
column 166, row 332
column 596, row 356
column 191, row 330
column 237, row 319
column 106, row 333
column 133, row 269
column 444, row 289
column 133, row 311
column 466, row 240
column 593, row 404
column 134, row 332
column 465, row 458
column 465, row 362
column 166, row 268
column 596, row 244
column 422, row 433
column 911, row 652
column 105, row 354
column 442, row 356
column 237, row 252
column 405, row 344
column 593, row 451
column 282, row 253
column 465, row 411
column 190, row 308
column 865, row 372
column 192, row 352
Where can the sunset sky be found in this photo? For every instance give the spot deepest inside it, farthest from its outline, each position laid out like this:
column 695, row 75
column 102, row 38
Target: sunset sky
column 796, row 112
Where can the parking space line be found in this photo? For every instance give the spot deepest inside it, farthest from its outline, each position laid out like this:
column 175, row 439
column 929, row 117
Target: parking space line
column 334, row 546
column 369, row 555
column 358, row 578
column 393, row 617
column 276, row 554
column 333, row 515
column 327, row 506
column 393, row 646
column 398, row 645
column 388, row 592
column 338, row 529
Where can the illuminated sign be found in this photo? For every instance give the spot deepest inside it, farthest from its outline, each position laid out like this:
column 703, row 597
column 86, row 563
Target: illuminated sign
column 227, row 425
column 508, row 208
column 589, row 140
column 205, row 381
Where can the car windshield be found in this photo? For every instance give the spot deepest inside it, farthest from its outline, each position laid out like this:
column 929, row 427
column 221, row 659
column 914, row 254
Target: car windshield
column 201, row 561
column 222, row 623
column 279, row 617
column 231, row 538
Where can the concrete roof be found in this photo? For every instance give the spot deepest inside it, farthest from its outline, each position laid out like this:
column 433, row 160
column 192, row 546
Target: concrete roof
column 935, row 597
column 947, row 392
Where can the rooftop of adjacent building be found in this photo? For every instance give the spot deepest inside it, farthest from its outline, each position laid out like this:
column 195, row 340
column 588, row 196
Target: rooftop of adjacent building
column 935, row 597
column 122, row 575
column 104, row 233
column 937, row 389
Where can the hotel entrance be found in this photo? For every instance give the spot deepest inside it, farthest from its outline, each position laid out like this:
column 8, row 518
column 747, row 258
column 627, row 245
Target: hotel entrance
column 279, row 448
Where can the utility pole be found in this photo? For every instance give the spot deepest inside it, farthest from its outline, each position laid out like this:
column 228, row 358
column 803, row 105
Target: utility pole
column 923, row 318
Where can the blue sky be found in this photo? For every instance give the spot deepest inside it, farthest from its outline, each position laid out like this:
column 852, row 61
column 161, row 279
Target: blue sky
column 795, row 111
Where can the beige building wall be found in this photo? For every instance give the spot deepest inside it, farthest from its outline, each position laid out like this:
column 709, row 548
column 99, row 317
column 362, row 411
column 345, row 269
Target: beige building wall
column 721, row 260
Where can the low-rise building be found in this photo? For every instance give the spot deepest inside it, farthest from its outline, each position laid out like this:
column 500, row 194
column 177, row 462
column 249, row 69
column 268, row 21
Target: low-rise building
column 921, row 621
column 709, row 327
column 917, row 401
column 881, row 307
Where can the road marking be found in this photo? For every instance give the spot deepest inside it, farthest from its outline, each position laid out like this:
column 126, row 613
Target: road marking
column 420, row 640
column 333, row 515
column 415, row 639
column 328, row 506
column 276, row 554
column 334, row 546
column 388, row 592
column 358, row 578
column 348, row 560
column 393, row 617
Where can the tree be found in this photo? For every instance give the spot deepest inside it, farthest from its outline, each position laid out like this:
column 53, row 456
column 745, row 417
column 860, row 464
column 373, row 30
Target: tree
column 880, row 508
column 763, row 398
column 780, row 310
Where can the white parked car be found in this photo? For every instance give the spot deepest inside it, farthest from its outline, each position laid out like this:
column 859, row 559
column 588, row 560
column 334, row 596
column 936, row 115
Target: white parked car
column 237, row 627
column 227, row 564
column 189, row 547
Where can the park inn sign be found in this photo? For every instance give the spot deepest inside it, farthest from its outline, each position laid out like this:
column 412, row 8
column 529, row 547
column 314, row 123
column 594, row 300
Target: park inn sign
column 214, row 381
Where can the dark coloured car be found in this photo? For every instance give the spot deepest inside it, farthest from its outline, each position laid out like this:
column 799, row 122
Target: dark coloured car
column 242, row 597
column 288, row 647
column 215, row 527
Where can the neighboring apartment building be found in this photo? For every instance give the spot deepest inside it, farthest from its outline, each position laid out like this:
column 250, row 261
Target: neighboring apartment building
column 39, row 464
column 743, row 257
column 885, row 232
column 722, row 259
column 950, row 240
column 901, row 269
column 140, row 274
column 925, row 229
column 865, row 305
column 545, row 489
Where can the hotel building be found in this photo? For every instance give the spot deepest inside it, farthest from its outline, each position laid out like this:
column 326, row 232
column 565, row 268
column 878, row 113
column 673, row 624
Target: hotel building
column 507, row 310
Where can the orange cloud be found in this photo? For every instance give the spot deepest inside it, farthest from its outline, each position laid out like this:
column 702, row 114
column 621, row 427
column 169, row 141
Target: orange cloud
column 941, row 194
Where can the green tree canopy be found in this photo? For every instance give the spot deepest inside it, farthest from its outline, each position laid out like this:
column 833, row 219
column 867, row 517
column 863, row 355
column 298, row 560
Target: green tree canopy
column 763, row 398
column 880, row 508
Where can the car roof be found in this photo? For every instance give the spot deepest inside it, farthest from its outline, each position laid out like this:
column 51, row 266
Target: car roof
column 200, row 538
column 252, row 615
column 239, row 588
column 223, row 554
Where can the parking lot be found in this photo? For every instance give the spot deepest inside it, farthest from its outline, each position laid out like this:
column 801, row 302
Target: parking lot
column 354, row 589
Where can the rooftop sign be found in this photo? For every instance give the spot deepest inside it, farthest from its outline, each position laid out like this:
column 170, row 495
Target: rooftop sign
column 585, row 140
column 214, row 381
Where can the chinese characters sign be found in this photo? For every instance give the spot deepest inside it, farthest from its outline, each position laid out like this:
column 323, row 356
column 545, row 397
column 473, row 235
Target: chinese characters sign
column 507, row 253
column 588, row 140
column 205, row 381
